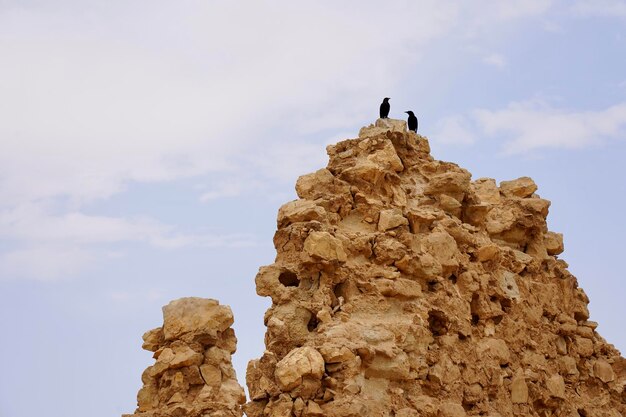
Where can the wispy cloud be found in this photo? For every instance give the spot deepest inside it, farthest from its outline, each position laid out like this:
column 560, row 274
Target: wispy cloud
column 495, row 60
column 599, row 8
column 94, row 97
column 531, row 125
column 45, row 263
column 50, row 247
column 454, row 130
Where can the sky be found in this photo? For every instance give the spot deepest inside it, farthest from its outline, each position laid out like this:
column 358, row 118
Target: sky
column 146, row 146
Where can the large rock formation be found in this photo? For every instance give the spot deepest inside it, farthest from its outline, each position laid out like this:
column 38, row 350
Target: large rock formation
column 193, row 375
column 403, row 288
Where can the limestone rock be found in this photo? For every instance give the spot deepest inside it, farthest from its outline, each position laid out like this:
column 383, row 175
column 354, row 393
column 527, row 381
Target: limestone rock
column 300, row 211
column 193, row 374
column 381, row 126
column 324, row 246
column 519, row 389
column 390, row 219
column 556, row 386
column 402, row 287
column 193, row 318
column 603, row 371
column 554, row 243
column 522, row 187
column 299, row 364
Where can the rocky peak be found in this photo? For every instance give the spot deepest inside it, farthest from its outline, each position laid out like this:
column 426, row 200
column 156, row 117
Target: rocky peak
column 193, row 375
column 403, row 288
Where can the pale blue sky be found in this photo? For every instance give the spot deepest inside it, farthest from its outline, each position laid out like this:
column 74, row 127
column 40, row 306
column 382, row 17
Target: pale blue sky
column 146, row 146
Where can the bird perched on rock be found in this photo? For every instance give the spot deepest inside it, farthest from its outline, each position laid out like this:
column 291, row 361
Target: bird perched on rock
column 412, row 122
column 384, row 108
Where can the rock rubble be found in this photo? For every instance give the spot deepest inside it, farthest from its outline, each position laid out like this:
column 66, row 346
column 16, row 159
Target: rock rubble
column 403, row 288
column 193, row 375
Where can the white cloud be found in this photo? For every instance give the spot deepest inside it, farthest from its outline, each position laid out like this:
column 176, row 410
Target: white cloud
column 599, row 8
column 534, row 124
column 44, row 263
column 31, row 224
column 484, row 15
column 454, row 130
column 95, row 96
column 495, row 60
column 52, row 247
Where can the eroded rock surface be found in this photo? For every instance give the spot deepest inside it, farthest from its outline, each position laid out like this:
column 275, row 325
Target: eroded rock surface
column 193, row 375
column 403, row 288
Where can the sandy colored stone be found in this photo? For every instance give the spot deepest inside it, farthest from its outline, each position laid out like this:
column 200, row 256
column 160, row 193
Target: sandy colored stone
column 324, row 246
column 486, row 190
column 193, row 374
column 522, row 187
column 194, row 317
column 425, row 294
column 386, row 158
column 451, row 409
column 603, row 371
column 390, row 219
column 519, row 389
column 400, row 287
column 554, row 243
column 300, row 363
column 152, row 339
column 300, row 211
column 556, row 386
column 381, row 126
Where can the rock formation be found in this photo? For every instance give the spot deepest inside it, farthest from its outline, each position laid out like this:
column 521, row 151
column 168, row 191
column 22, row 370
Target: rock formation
column 403, row 288
column 193, row 375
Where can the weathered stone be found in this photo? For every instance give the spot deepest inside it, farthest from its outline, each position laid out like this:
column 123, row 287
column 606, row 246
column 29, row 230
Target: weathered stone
column 181, row 373
column 390, row 219
column 394, row 368
column 603, row 371
column 450, row 409
column 486, row 190
column 519, row 389
column 300, row 211
column 324, row 246
column 522, row 187
column 386, row 158
column 487, row 253
column 494, row 348
column 556, row 386
column 553, row 242
column 191, row 318
column 399, row 288
column 453, row 183
column 508, row 284
column 335, row 354
column 402, row 288
column 300, row 363
column 152, row 339
column 382, row 126
column 444, row 249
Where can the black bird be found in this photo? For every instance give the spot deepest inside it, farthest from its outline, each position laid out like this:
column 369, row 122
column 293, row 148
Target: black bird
column 384, row 108
column 412, row 122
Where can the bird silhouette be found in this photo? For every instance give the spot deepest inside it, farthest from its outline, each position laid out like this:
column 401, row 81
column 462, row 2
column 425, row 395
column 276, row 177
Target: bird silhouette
column 412, row 122
column 384, row 108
